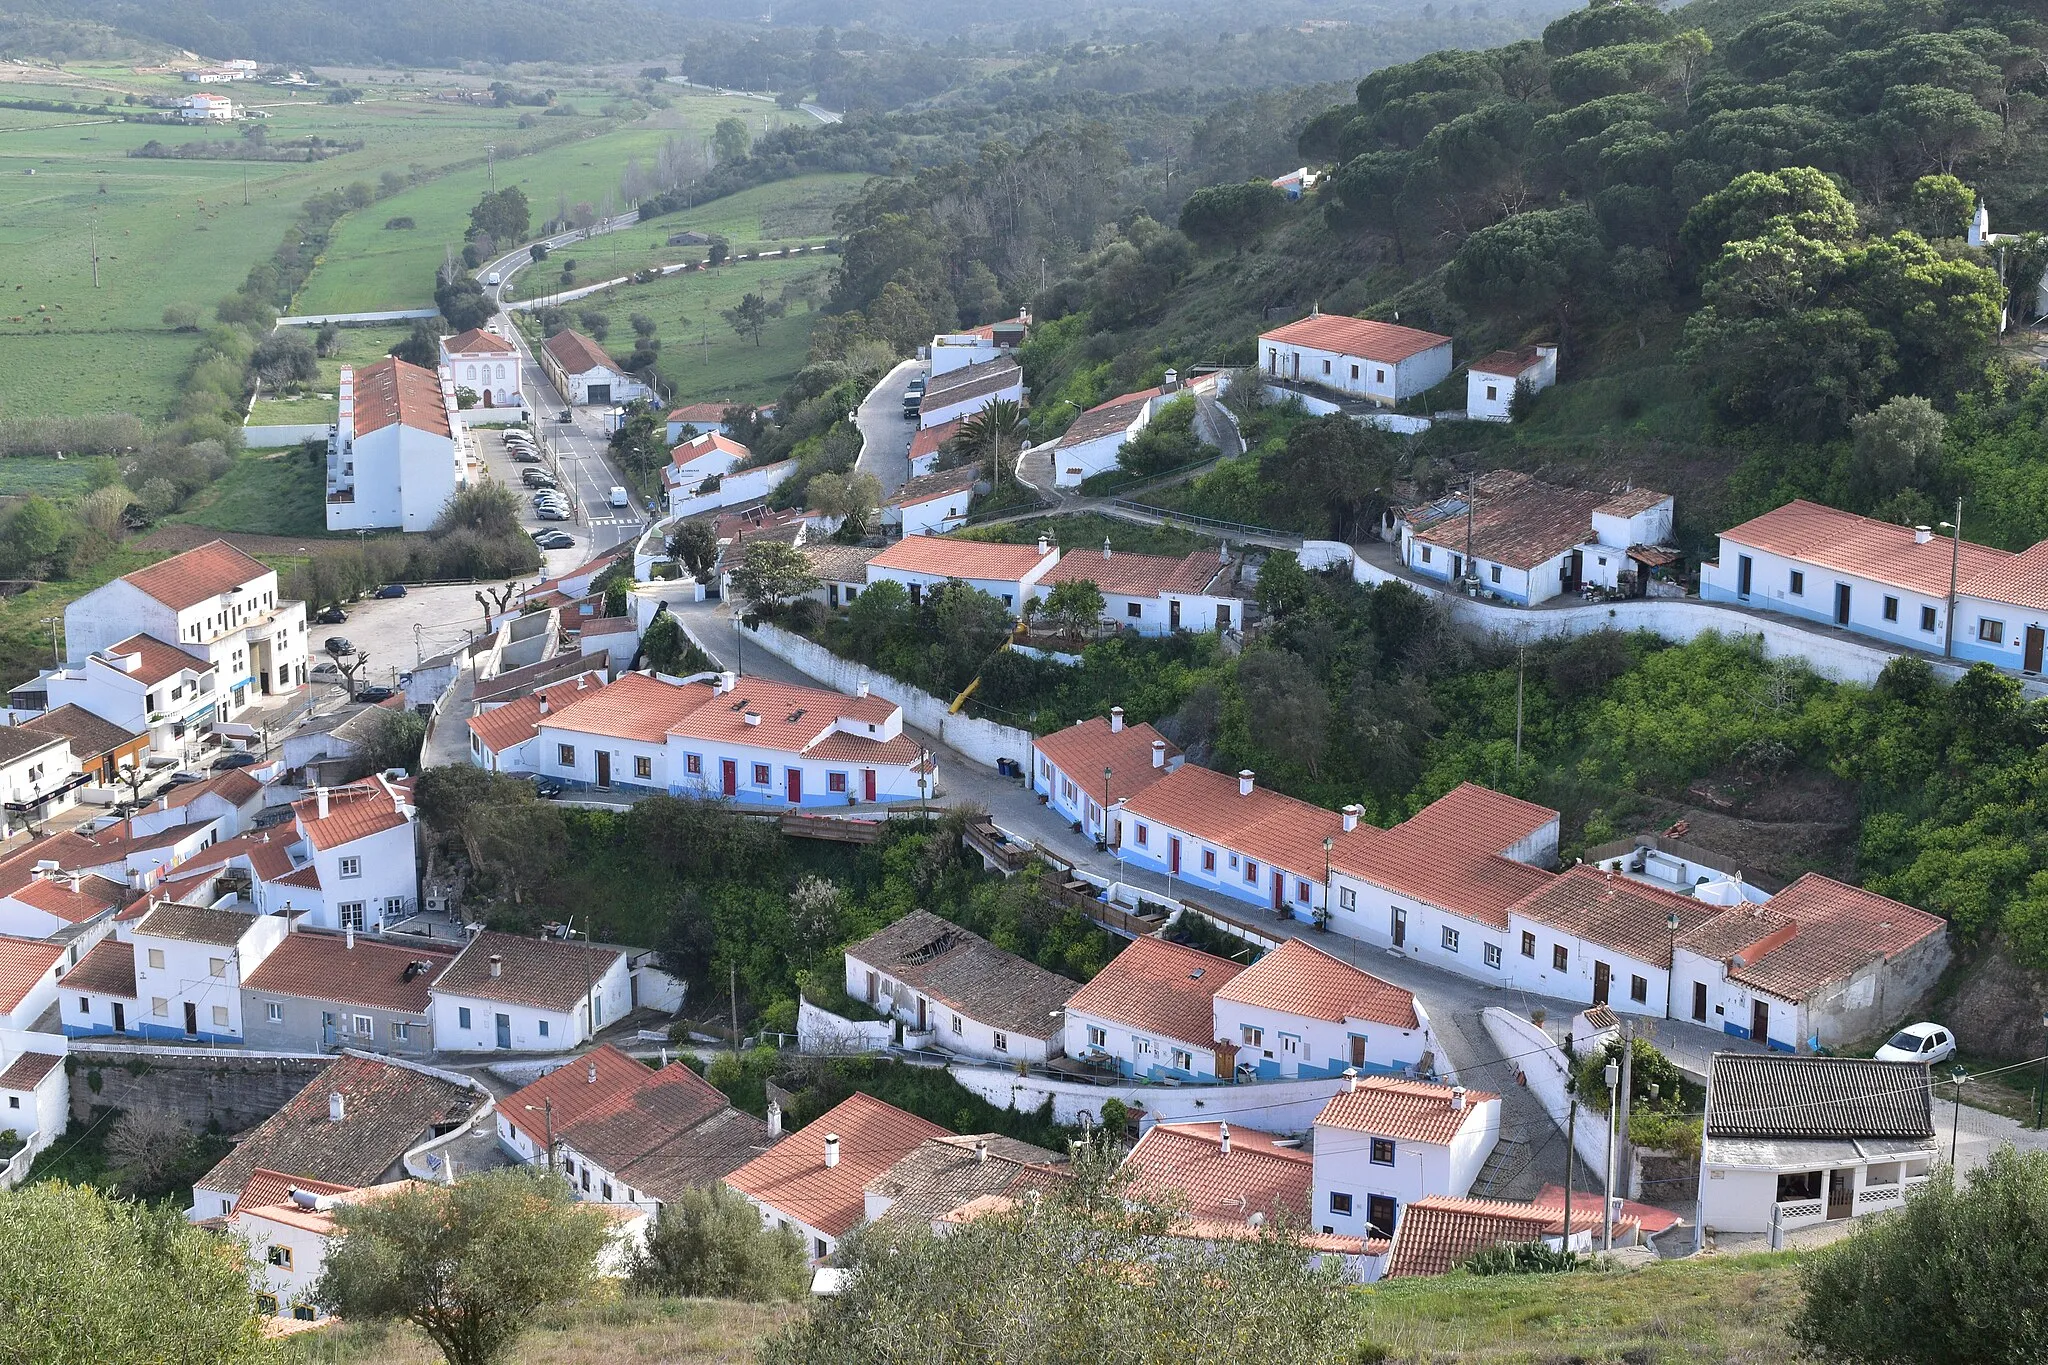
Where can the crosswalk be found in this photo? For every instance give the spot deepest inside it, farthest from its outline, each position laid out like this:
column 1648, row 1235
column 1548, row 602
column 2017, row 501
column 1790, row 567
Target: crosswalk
column 615, row 521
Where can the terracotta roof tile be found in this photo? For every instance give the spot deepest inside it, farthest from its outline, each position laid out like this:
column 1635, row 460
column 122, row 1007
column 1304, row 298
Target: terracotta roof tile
column 966, row 972
column 1508, row 364
column 91, row 898
column 635, row 706
column 940, row 483
column 1616, row 912
column 791, row 719
column 545, row 973
column 1517, row 521
column 354, row 812
column 24, row 962
column 1082, row 750
column 1865, row 547
column 946, row 557
column 1837, row 929
column 577, row 353
column 314, row 965
column 1184, row 1164
column 1410, row 1111
column 1299, row 979
column 503, row 727
column 1108, row 418
column 928, row 439
column 1447, row 854
column 696, row 448
column 197, row 924
column 268, row 852
column 476, row 341
column 107, row 969
column 792, row 1176
column 266, row 1188
column 236, row 787
column 946, row 1173
column 394, row 391
column 1135, row 575
column 27, row 1070
column 206, row 571
column 1631, row 501
column 970, row 382
column 1438, row 1233
column 1264, row 825
column 1383, row 341
column 90, row 736
column 835, row 563
column 1651, row 1219
column 18, row 742
column 1158, row 987
column 159, row 660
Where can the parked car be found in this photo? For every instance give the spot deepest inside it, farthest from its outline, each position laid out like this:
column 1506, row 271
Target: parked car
column 325, row 670
column 338, row 644
column 525, row 455
column 536, row 478
column 391, row 590
column 333, row 616
column 1918, row 1043
column 376, row 692
column 558, row 504
column 184, row 778
column 565, row 416
column 552, row 514
column 555, row 540
column 236, row 760
column 548, row 788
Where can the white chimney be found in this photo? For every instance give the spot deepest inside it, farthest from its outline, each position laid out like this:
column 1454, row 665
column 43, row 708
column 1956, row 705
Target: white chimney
column 1244, row 781
column 1105, row 547
column 543, row 703
column 752, row 719
column 831, row 1150
column 981, row 1151
column 1171, row 384
column 1351, row 814
column 861, row 691
column 320, row 795
column 336, row 1106
column 590, row 1072
column 1116, row 720
column 1043, row 548
column 1921, row 535
column 1223, row 1139
column 1457, row 1097
column 1351, row 1079
column 350, row 931
column 774, row 1119
column 497, row 965
column 1158, row 753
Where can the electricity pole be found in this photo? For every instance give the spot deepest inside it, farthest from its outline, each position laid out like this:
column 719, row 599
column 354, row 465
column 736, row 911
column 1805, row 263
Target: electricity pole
column 491, row 165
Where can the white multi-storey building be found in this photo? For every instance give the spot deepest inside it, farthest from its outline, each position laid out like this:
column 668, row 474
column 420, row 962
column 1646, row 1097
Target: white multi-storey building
column 398, row 453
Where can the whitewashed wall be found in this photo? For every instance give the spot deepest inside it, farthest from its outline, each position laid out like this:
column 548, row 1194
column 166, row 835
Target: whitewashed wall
column 1544, row 1066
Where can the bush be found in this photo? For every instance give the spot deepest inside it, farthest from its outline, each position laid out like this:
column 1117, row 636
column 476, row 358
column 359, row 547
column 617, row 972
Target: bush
column 711, row 1244
column 1522, row 1258
column 398, row 224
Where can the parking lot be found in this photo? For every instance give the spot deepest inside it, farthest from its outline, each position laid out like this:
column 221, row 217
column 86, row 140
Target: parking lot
column 399, row 632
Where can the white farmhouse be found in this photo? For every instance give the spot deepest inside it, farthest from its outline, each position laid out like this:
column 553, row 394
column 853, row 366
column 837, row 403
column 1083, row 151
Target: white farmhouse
column 1600, row 938
column 398, row 453
column 932, row 504
column 815, row 1180
column 958, row 990
column 1298, row 1013
column 1150, row 1014
column 1155, row 594
column 1382, row 362
column 506, row 992
column 206, row 107
column 583, row 373
column 501, row 738
column 1525, row 541
column 1491, row 380
column 1091, row 445
column 35, row 1091
column 287, row 1223
column 486, row 364
column 359, row 843
column 1006, row 572
column 1096, row 764
column 1383, row 1143
column 29, row 970
column 969, row 389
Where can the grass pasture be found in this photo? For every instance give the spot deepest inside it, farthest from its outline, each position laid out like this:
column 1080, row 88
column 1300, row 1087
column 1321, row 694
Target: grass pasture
column 265, row 492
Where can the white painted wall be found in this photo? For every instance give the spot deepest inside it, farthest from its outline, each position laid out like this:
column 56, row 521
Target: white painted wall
column 1290, row 1046
column 612, row 992
column 1378, row 380
column 952, row 1029
column 1344, row 1165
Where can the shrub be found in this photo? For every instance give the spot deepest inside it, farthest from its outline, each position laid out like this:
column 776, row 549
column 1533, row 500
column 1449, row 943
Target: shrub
column 398, row 224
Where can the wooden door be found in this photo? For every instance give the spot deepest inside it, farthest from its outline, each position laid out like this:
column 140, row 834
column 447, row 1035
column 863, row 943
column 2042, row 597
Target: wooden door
column 1743, row 566
column 2035, row 636
column 1173, row 613
column 729, row 776
column 793, row 786
column 604, row 768
column 1760, row 1021
column 1357, row 1050
column 191, row 1020
column 1602, row 976
column 1400, row 926
column 1279, row 890
column 120, row 1017
column 1699, row 1002
column 1173, row 854
column 1841, row 604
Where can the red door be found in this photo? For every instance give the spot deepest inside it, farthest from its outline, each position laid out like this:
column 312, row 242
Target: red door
column 1173, row 855
column 1279, row 891
column 729, row 773
column 867, row 782
column 793, row 786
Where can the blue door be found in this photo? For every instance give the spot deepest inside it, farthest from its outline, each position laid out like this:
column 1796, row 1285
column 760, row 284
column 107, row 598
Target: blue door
column 505, row 1031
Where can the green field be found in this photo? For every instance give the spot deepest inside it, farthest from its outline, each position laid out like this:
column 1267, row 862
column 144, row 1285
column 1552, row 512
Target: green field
column 356, row 347
column 702, row 359
column 20, row 474
column 277, row 493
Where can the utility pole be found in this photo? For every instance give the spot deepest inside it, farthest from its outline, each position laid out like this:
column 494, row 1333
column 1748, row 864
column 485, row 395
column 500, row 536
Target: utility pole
column 733, row 990
column 1571, row 1152
column 1521, row 669
column 1955, row 556
column 1955, row 1130
column 491, row 165
column 93, row 239
column 1628, row 1056
column 1612, row 1075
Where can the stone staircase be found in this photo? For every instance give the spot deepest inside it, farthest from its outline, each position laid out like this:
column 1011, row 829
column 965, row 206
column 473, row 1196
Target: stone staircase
column 1034, row 468
column 1505, row 1165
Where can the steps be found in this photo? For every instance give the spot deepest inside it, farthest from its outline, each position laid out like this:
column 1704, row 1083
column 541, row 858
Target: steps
column 1505, row 1164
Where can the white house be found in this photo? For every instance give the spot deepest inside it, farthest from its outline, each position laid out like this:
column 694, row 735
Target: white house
column 1525, row 541
column 1383, row 362
column 1600, row 938
column 1008, row 573
column 359, row 842
column 1091, row 445
column 703, row 475
column 61, row 905
column 207, row 108
column 189, row 965
column 486, row 364
column 1795, row 1141
column 501, row 738
column 35, row 1091
column 1298, row 1013
column 140, row 684
column 99, row 993
column 398, row 453
column 1097, row 764
column 506, row 992
column 583, row 373
column 1384, row 1142
column 978, row 345
column 966, row 391
column 229, row 800
column 29, row 972
column 319, row 990
column 1155, row 594
column 925, row 444
column 1230, row 837
column 1150, row 1014
column 38, row 776
column 694, row 419
column 287, row 1223
column 932, row 504
column 815, row 1180
column 958, row 991
column 1297, row 182
column 214, row 604
column 1491, row 380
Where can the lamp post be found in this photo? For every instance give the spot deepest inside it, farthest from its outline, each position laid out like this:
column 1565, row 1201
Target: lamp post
column 1671, row 966
column 1107, row 773
column 1955, row 1128
column 1955, row 556
column 924, row 778
column 739, row 644
column 52, row 622
column 546, row 1110
column 1611, row 1073
column 1323, row 910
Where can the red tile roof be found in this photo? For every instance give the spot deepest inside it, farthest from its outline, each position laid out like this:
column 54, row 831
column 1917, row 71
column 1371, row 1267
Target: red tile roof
column 503, row 727
column 2021, row 581
column 946, row 557
column 703, row 414
column 577, row 353
column 1517, row 521
column 206, row 571
column 394, row 391
column 1477, row 819
column 1631, row 501
column 1508, row 364
column 1651, row 1219
column 793, row 1179
column 545, row 973
column 236, row 787
column 1617, row 912
column 27, row 1070
column 1135, row 575
column 1411, row 1111
column 158, row 660
column 710, row 443
column 1863, row 546
column 266, row 1189
column 1264, row 825
column 1305, row 981
column 1836, row 929
column 91, row 898
column 1383, row 341
column 1447, row 853
column 266, row 850
column 1184, row 1164
column 24, row 962
column 323, row 966
column 91, row 737
column 353, row 812
column 1105, row 419
column 634, row 707
column 931, row 487
column 108, row 969
column 1154, row 986
column 928, row 439
column 476, row 341
column 1438, row 1233
column 1085, row 748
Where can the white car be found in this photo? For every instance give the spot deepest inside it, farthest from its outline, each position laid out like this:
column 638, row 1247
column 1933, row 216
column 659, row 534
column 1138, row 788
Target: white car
column 1918, row 1043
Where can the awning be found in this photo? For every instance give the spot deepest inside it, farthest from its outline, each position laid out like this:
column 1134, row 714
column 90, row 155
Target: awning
column 76, row 780
column 1653, row 556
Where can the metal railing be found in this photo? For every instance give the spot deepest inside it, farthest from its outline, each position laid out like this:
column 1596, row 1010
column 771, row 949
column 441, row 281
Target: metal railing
column 1206, row 523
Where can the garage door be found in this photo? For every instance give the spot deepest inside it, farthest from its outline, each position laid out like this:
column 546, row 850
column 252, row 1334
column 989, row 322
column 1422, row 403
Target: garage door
column 598, row 393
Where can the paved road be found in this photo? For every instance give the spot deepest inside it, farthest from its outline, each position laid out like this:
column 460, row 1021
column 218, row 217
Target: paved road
column 884, row 434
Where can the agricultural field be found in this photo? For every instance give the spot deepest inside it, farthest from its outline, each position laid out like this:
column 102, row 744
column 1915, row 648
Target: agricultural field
column 356, row 347
column 265, row 492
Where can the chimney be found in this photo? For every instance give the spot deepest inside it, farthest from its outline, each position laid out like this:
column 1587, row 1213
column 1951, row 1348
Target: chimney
column 1244, row 781
column 320, row 795
column 497, row 965
column 1105, row 547
column 1351, row 1079
column 752, row 718
column 831, row 1150
column 1223, row 553
column 1921, row 535
column 726, row 683
column 336, row 1106
column 1351, row 814
column 981, row 1151
column 543, row 702
column 1457, row 1097
column 590, row 1072
column 1170, row 384
column 350, row 931
column 774, row 1119
column 1223, row 1139
column 1116, row 720
column 1158, row 753
column 1043, row 548
column 861, row 692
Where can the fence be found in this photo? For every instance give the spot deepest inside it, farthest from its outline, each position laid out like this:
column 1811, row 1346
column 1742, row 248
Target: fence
column 1544, row 1070
column 277, row 437
column 1235, row 528
column 16, row 1169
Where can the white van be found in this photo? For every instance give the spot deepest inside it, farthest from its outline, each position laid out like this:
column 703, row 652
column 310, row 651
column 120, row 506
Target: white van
column 492, row 279
column 620, row 497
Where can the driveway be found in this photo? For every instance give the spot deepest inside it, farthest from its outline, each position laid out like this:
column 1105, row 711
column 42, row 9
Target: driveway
column 884, row 435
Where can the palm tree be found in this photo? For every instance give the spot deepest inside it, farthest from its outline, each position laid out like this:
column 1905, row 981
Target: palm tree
column 1000, row 423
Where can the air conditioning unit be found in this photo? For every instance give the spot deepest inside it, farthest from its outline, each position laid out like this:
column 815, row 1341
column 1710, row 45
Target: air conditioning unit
column 436, row 905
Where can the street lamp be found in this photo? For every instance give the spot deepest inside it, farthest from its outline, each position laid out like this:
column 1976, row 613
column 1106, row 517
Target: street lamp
column 739, row 644
column 924, row 779
column 546, row 1110
column 51, row 622
column 1323, row 910
column 1671, row 965
column 1103, row 842
column 1611, row 1073
column 2041, row 1084
column 1955, row 1131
